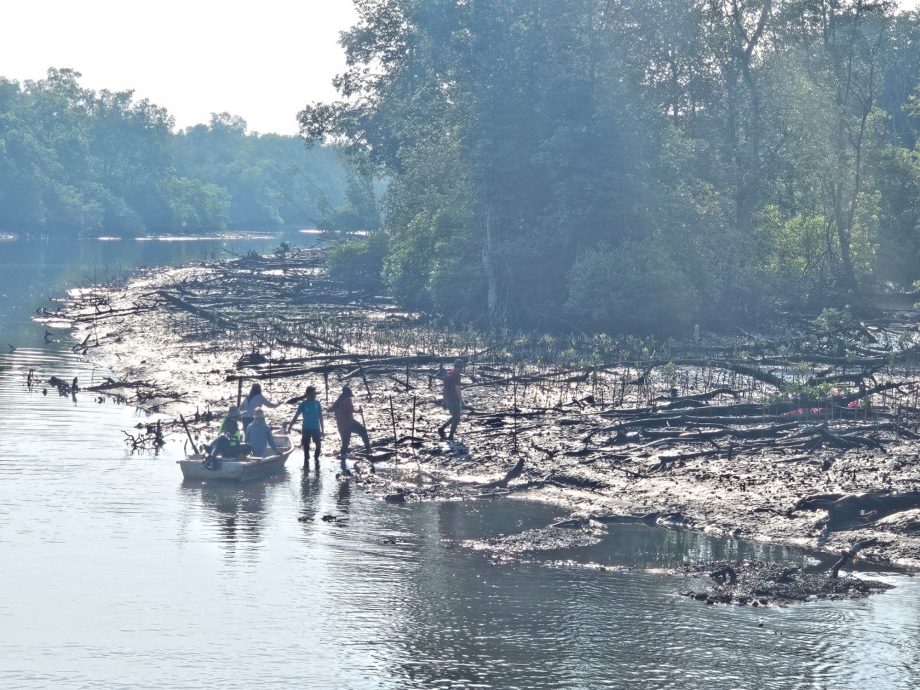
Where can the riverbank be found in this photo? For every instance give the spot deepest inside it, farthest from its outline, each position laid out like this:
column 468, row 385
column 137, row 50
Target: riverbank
column 806, row 437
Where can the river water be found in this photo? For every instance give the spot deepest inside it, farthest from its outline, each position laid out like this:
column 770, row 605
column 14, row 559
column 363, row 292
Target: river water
column 114, row 573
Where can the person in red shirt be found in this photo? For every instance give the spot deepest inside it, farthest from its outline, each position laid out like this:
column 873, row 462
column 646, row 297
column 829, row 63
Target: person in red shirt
column 453, row 398
column 344, row 410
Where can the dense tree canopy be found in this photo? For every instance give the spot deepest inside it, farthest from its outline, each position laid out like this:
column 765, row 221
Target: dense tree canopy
column 73, row 160
column 635, row 164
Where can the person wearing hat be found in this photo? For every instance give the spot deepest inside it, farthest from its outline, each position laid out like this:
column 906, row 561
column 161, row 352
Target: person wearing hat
column 312, row 429
column 228, row 442
column 259, row 435
column 344, row 410
column 453, row 397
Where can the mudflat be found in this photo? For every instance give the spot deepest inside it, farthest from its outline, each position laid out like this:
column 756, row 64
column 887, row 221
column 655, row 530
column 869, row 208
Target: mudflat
column 803, row 434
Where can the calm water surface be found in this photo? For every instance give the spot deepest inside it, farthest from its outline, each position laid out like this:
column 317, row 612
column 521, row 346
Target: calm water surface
column 113, row 573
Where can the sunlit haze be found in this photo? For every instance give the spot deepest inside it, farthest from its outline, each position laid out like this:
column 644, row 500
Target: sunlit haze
column 262, row 61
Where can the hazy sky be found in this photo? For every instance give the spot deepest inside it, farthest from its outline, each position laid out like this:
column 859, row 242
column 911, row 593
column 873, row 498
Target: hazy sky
column 261, row 60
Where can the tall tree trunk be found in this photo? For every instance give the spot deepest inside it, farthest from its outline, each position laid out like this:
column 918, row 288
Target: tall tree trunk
column 488, row 264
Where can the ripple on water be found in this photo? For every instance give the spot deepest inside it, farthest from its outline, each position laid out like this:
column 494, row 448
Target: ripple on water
column 122, row 575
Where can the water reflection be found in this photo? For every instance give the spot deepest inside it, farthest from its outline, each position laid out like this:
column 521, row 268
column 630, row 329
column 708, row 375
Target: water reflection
column 343, row 496
column 38, row 270
column 116, row 574
column 233, row 511
column 643, row 546
column 309, row 491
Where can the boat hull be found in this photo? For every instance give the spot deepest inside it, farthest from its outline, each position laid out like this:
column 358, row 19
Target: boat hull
column 238, row 469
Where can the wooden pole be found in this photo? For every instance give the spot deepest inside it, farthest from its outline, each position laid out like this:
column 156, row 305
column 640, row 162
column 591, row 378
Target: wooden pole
column 364, row 378
column 514, row 433
column 393, row 422
column 239, row 390
column 189, row 434
column 412, row 440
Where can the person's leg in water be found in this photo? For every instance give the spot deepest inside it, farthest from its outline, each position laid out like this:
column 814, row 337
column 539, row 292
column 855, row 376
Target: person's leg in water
column 359, row 429
column 345, row 434
column 317, row 439
column 305, row 437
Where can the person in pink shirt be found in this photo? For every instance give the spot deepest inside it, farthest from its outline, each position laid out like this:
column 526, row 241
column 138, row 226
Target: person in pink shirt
column 344, row 410
column 453, row 398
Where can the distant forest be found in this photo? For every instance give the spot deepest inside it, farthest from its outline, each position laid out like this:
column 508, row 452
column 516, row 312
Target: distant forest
column 633, row 165
column 74, row 161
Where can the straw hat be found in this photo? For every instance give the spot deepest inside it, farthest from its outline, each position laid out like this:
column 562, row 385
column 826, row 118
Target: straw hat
column 233, row 412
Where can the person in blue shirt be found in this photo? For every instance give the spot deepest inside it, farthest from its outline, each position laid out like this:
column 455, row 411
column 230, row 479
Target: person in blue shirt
column 312, row 412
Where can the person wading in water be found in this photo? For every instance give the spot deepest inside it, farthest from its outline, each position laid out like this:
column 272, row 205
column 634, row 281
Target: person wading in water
column 344, row 410
column 453, row 398
column 312, row 430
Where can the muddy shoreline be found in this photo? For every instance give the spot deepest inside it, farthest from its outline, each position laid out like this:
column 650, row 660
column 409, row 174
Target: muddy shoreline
column 805, row 435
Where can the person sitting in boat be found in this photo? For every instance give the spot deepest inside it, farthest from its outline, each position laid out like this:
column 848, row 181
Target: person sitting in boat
column 228, row 443
column 259, row 436
column 253, row 401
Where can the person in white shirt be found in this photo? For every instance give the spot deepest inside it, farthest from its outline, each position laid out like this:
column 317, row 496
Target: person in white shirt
column 253, row 401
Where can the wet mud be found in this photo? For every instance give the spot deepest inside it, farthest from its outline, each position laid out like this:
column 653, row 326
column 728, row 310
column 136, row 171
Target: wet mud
column 804, row 435
column 772, row 584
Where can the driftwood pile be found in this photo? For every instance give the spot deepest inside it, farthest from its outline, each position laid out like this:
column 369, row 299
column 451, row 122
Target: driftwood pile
column 738, row 431
column 768, row 584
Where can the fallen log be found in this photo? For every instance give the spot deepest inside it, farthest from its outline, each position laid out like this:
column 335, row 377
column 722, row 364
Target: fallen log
column 111, row 384
column 513, row 473
column 850, row 553
column 673, row 402
column 743, row 369
column 849, row 510
column 180, row 303
column 378, row 363
column 844, row 378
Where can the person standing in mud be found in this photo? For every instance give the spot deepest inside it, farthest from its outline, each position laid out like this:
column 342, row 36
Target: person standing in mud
column 344, row 410
column 312, row 429
column 453, row 398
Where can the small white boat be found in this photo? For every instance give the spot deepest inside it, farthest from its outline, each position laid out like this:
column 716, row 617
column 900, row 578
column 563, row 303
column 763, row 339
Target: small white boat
column 239, row 469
